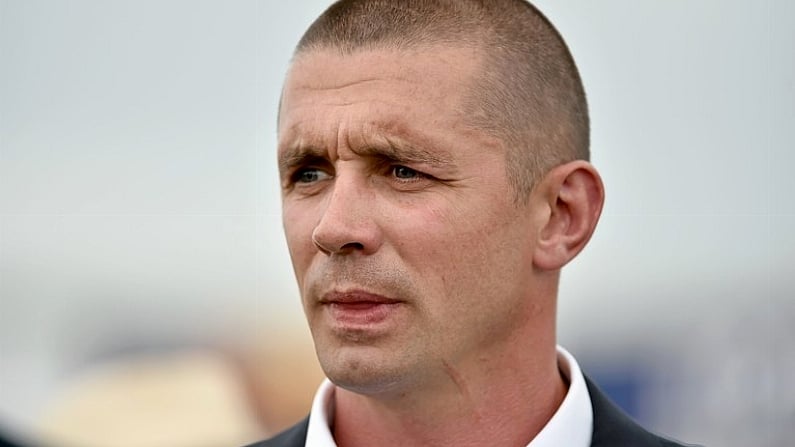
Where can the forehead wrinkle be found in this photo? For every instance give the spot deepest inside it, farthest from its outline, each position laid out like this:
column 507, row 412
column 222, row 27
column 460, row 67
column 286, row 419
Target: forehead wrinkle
column 319, row 86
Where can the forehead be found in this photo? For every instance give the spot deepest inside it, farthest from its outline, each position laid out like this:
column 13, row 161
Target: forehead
column 331, row 68
column 379, row 99
column 377, row 87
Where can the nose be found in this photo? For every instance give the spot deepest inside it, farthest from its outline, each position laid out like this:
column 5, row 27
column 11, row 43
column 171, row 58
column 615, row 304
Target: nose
column 349, row 221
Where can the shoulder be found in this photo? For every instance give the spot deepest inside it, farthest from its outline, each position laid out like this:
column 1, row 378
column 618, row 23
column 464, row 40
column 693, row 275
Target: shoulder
column 613, row 427
column 294, row 436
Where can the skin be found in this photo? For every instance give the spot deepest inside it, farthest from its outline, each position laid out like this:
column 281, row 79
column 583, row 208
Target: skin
column 429, row 291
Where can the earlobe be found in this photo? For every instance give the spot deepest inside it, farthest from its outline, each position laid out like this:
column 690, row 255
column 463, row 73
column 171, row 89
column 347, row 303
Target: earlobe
column 574, row 195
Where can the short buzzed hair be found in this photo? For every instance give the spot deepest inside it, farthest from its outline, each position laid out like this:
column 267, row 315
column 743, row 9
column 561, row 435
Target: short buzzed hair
column 529, row 93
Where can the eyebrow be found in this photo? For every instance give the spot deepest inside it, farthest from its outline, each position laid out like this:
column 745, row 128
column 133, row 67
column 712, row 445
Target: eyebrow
column 390, row 148
column 295, row 156
column 399, row 150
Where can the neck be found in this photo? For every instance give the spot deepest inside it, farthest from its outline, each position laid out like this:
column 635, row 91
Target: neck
column 505, row 399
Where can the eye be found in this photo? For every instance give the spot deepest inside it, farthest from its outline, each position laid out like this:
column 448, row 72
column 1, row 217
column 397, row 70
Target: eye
column 404, row 173
column 309, row 175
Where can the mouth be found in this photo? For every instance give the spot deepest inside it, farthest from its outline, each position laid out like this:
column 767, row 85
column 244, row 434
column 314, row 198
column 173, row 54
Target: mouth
column 358, row 308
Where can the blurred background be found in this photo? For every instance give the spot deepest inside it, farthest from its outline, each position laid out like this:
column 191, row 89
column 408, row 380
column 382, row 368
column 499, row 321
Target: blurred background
column 146, row 295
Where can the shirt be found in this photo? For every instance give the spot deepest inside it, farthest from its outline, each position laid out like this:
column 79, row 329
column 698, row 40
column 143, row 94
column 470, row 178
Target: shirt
column 571, row 425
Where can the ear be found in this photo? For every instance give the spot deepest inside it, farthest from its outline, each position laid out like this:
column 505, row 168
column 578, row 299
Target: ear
column 572, row 196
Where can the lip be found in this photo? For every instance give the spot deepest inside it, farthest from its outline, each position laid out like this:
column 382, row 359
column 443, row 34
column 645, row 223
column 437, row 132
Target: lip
column 356, row 308
column 356, row 297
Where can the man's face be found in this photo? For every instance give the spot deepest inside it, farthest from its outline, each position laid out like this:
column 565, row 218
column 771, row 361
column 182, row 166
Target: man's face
column 411, row 256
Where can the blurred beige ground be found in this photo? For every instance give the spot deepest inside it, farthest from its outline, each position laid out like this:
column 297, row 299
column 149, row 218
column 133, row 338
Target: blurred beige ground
column 188, row 398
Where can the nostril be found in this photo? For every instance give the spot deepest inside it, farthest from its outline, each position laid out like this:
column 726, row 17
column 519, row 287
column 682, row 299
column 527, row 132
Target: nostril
column 330, row 246
column 353, row 246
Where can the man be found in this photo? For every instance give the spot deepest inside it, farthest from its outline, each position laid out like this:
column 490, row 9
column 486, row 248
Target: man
column 433, row 161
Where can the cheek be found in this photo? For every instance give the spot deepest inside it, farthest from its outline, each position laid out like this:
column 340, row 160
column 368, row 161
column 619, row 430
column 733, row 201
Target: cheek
column 446, row 246
column 466, row 253
column 298, row 229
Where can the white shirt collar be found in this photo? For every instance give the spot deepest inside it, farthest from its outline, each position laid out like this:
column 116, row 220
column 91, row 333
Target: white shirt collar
column 571, row 425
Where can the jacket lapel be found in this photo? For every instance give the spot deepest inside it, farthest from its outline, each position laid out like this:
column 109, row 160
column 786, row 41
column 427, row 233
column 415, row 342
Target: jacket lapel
column 294, row 436
column 612, row 427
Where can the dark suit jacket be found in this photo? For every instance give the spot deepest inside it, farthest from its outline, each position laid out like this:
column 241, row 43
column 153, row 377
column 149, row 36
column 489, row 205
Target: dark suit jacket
column 611, row 428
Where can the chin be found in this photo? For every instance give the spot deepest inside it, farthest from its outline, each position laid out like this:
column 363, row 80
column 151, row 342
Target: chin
column 363, row 374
